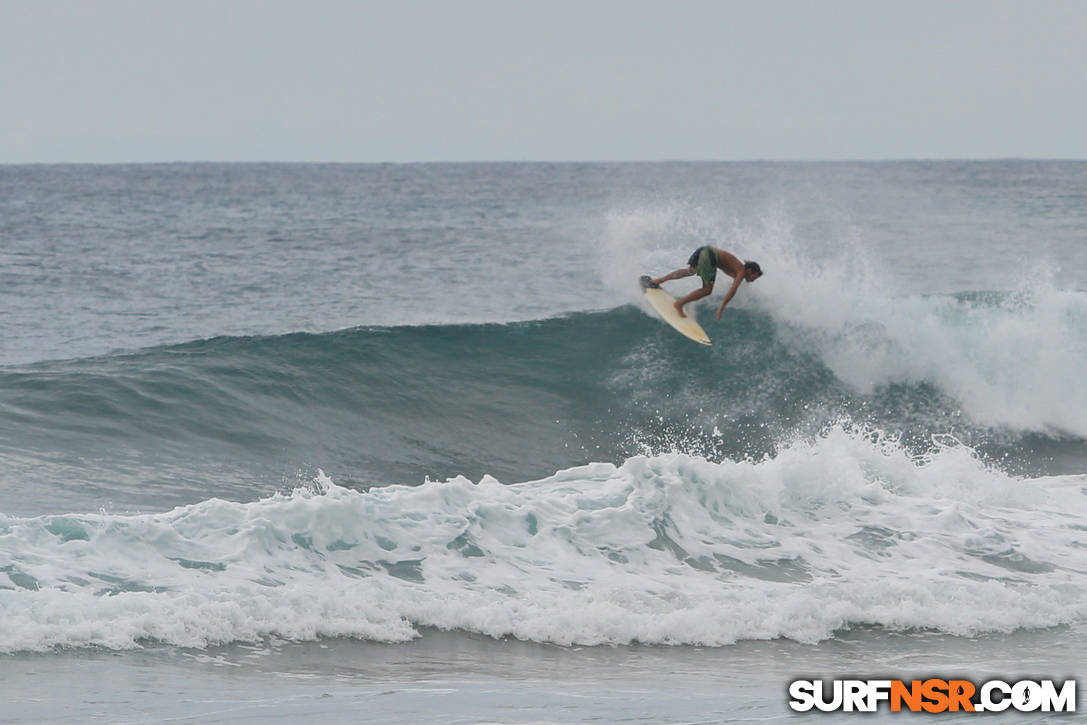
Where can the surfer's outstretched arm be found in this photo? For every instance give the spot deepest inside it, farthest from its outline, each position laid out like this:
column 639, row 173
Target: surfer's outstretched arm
column 678, row 274
column 730, row 295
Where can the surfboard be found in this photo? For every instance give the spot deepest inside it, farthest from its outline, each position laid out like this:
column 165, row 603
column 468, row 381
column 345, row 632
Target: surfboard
column 664, row 304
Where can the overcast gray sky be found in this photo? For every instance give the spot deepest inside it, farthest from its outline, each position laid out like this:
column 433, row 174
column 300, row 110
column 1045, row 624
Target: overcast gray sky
column 410, row 80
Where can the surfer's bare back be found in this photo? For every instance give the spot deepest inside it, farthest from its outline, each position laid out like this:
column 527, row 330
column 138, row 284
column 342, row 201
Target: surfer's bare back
column 705, row 262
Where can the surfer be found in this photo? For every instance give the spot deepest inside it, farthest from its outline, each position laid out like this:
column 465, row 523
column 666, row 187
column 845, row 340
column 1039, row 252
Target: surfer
column 705, row 262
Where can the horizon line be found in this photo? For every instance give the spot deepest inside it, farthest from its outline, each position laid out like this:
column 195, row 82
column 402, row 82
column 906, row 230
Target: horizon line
column 884, row 160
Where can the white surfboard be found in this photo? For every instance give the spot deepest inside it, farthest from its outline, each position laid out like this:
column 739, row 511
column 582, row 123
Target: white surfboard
column 664, row 304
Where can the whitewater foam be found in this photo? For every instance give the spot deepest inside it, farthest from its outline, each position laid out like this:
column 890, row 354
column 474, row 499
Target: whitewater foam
column 841, row 530
column 1009, row 359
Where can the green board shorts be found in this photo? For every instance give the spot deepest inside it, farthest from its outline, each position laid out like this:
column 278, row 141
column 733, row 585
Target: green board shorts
column 704, row 261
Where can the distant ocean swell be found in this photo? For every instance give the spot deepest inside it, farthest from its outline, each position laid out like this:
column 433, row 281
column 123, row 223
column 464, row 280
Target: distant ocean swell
column 845, row 529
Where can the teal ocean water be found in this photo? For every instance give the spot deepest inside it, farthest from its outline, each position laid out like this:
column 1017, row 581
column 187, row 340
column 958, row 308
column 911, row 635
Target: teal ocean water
column 257, row 415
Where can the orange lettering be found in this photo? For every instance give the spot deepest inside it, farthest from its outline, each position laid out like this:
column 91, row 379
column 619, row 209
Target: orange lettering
column 959, row 694
column 910, row 695
column 934, row 691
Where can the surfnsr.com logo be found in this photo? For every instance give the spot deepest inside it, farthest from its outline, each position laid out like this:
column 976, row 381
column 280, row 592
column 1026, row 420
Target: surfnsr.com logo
column 933, row 695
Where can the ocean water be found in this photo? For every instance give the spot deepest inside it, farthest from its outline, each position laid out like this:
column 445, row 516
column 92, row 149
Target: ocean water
column 400, row 443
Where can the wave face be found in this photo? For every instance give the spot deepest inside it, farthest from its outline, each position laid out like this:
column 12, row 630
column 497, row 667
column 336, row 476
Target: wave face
column 842, row 530
column 374, row 406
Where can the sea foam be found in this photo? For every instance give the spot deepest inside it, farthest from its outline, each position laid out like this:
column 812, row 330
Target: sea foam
column 844, row 529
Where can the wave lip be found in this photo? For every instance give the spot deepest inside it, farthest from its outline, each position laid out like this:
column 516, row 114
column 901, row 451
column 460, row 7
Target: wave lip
column 842, row 530
column 1008, row 359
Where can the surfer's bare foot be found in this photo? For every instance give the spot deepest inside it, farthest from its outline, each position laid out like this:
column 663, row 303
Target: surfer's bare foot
column 679, row 308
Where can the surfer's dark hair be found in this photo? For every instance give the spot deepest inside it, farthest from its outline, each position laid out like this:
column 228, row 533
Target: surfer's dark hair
column 753, row 267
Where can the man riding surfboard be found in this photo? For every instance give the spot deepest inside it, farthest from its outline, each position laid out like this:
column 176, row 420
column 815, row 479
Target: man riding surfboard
column 705, row 262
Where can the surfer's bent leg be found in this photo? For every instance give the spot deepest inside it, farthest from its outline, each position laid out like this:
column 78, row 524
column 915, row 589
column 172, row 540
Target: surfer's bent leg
column 678, row 274
column 696, row 295
column 703, row 263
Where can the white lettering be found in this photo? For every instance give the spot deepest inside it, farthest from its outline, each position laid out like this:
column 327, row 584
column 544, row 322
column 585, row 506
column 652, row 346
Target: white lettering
column 878, row 690
column 1026, row 696
column 835, row 701
column 1063, row 701
column 855, row 695
column 988, row 704
column 802, row 693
